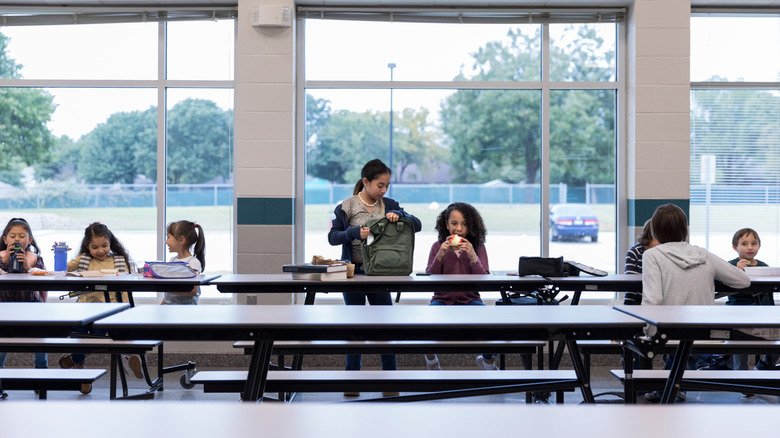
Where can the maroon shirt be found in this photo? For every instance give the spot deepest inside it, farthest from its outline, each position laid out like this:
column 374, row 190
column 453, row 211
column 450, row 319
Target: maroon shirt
column 452, row 263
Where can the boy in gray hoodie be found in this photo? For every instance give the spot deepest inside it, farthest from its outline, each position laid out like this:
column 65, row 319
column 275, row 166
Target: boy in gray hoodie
column 678, row 273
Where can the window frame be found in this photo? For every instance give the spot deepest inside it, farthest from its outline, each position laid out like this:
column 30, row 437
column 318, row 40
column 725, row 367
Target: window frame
column 545, row 85
column 161, row 84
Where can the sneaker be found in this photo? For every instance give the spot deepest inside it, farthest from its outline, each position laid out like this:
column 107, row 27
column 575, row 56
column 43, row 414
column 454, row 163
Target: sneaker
column 483, row 364
column 763, row 365
column 351, row 394
column 717, row 364
column 66, row 361
column 433, row 365
column 86, row 388
column 651, row 397
column 390, row 394
column 133, row 363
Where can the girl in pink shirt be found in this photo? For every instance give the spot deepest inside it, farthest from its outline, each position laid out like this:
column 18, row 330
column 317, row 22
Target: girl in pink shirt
column 460, row 249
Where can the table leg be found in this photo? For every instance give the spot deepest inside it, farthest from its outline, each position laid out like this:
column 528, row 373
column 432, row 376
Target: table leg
column 579, row 368
column 112, row 377
column 629, row 394
column 676, row 373
column 258, row 371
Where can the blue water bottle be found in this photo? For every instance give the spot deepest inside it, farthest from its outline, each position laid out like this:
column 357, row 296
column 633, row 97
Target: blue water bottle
column 60, row 256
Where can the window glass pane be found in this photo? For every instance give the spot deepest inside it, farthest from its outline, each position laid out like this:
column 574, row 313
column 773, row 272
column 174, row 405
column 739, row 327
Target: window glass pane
column 445, row 149
column 87, row 51
column 582, row 176
column 200, row 172
column 735, row 154
column 583, row 52
column 201, row 50
column 98, row 168
column 732, row 48
column 421, row 52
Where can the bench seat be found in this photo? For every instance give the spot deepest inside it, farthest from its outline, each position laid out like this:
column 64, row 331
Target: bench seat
column 47, row 379
column 750, row 381
column 397, row 347
column 299, row 348
column 94, row 345
column 699, row 347
column 80, row 345
column 391, row 381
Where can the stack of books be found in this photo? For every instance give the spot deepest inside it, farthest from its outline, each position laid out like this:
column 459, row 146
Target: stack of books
column 308, row 271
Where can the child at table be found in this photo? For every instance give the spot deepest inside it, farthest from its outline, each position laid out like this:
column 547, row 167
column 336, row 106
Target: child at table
column 99, row 249
column 18, row 231
column 462, row 224
column 186, row 240
column 634, row 266
column 747, row 243
column 634, row 261
column 348, row 228
column 678, row 273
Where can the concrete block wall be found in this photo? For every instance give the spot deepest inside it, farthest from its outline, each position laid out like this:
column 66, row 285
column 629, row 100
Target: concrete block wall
column 658, row 108
column 265, row 159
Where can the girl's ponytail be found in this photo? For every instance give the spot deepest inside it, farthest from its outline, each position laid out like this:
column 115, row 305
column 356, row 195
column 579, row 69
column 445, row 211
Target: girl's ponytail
column 200, row 247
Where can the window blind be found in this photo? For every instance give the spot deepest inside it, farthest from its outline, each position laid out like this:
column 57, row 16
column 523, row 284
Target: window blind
column 104, row 15
column 465, row 15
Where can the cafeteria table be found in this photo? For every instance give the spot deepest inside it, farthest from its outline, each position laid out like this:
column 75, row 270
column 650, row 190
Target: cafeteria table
column 266, row 324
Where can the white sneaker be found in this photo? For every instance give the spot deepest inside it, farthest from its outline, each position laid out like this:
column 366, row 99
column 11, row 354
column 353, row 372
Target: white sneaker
column 481, row 363
column 132, row 364
column 433, row 365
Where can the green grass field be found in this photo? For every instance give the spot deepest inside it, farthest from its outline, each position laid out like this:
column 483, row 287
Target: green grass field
column 517, row 218
column 503, row 218
column 125, row 219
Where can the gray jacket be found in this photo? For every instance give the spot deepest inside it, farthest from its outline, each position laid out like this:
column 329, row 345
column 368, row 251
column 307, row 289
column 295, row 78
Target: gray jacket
column 678, row 273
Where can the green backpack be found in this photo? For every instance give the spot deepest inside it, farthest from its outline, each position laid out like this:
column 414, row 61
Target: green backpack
column 391, row 252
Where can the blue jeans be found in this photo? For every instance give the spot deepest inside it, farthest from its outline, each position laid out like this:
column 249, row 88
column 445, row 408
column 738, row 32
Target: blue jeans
column 79, row 358
column 487, row 356
column 354, row 361
column 41, row 360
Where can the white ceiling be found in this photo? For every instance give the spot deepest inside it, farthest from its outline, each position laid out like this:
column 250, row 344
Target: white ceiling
column 457, row 3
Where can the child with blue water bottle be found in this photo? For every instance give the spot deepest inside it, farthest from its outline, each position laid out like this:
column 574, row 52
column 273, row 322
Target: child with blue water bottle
column 17, row 233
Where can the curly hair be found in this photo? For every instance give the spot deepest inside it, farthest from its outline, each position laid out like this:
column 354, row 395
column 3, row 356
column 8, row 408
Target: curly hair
column 476, row 231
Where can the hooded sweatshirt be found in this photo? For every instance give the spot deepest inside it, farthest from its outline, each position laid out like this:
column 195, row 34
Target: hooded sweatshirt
column 678, row 273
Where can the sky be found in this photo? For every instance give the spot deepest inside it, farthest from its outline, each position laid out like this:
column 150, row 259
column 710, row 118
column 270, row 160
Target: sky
column 197, row 51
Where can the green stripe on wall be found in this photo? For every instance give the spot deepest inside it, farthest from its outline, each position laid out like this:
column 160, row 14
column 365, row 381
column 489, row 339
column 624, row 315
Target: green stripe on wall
column 265, row 211
column 640, row 210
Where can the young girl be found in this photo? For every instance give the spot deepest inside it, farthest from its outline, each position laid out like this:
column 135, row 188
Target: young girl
column 99, row 250
column 347, row 229
column 18, row 231
column 460, row 249
column 181, row 236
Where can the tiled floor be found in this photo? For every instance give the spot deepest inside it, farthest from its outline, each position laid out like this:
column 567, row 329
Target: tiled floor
column 602, row 383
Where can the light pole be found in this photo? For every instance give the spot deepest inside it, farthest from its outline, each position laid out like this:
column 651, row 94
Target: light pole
column 391, row 66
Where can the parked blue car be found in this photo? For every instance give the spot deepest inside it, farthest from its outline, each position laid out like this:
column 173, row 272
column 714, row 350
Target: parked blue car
column 573, row 221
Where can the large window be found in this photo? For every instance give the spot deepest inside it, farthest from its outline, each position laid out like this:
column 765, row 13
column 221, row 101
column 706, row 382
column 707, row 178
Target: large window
column 735, row 141
column 95, row 114
column 514, row 118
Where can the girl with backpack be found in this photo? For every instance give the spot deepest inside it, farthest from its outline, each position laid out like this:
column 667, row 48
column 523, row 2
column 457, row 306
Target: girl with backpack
column 348, row 229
